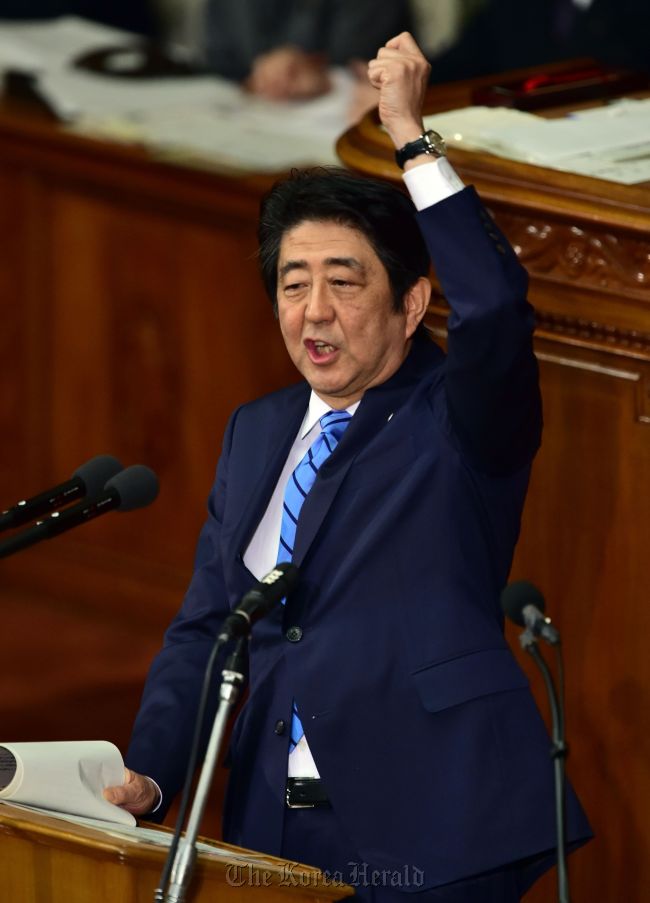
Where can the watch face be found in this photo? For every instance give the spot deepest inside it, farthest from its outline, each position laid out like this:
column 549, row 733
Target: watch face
column 435, row 142
column 428, row 143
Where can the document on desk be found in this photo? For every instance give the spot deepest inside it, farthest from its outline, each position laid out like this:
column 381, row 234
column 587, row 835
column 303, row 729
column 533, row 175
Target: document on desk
column 226, row 127
column 66, row 777
column 611, row 142
column 214, row 122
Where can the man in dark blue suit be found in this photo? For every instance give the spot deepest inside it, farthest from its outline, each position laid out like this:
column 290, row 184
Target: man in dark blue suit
column 389, row 736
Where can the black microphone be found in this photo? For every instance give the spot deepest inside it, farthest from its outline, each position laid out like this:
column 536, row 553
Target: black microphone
column 134, row 487
column 258, row 601
column 524, row 604
column 89, row 479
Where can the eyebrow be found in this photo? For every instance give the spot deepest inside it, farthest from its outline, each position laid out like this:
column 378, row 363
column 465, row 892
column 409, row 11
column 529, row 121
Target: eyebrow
column 350, row 262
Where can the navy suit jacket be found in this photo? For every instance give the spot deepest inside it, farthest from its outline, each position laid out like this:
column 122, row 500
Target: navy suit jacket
column 421, row 722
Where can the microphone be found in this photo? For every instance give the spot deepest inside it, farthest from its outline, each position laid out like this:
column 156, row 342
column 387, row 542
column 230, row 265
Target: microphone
column 89, row 479
column 524, row 604
column 258, row 601
column 135, row 487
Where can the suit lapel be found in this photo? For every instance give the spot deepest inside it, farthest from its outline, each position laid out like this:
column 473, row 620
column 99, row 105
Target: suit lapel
column 271, row 443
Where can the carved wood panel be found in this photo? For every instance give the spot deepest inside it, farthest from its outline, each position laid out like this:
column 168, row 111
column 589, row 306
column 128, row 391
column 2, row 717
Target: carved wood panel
column 588, row 254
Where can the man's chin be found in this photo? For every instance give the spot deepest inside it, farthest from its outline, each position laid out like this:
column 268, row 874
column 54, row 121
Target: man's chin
column 335, row 396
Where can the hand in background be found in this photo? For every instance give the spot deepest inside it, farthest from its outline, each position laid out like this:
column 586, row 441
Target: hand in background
column 288, row 73
column 400, row 72
column 138, row 794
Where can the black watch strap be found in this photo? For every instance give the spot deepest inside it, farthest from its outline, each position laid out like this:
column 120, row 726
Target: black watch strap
column 429, row 142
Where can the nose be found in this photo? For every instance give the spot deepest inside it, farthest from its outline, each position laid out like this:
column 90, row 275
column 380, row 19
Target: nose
column 319, row 305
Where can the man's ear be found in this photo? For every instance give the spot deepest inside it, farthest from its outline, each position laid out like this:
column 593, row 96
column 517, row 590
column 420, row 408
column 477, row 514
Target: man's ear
column 416, row 302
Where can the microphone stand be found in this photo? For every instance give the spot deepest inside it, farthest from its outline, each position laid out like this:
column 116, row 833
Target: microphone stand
column 270, row 590
column 559, row 752
column 185, row 854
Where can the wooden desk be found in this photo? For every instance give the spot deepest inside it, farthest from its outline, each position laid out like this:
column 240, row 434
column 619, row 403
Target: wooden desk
column 586, row 530
column 44, row 859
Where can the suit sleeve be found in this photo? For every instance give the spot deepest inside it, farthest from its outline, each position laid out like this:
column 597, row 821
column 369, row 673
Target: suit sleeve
column 163, row 730
column 491, row 381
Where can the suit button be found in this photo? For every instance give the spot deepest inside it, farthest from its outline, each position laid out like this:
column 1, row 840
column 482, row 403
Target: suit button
column 279, row 727
column 294, row 634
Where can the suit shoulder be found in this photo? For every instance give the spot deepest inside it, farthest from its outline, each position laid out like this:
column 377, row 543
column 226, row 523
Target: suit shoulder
column 273, row 400
column 256, row 412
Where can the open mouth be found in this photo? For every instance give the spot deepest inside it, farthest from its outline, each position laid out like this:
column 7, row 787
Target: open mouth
column 319, row 351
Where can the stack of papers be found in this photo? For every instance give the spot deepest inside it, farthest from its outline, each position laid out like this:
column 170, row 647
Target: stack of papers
column 65, row 776
column 49, row 46
column 610, row 142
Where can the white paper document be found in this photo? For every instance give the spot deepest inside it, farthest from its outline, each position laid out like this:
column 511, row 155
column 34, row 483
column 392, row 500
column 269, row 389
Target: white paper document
column 49, row 45
column 609, row 142
column 66, row 777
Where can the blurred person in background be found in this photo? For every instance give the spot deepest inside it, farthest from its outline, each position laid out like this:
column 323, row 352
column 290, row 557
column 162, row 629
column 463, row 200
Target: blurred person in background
column 282, row 49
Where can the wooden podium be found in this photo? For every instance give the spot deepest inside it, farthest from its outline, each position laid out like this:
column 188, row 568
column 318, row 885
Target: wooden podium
column 44, row 859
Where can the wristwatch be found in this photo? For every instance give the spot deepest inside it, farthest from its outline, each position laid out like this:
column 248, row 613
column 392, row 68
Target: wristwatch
column 428, row 143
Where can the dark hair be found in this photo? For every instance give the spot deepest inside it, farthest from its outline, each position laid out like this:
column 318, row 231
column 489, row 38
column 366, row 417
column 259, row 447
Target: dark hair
column 376, row 209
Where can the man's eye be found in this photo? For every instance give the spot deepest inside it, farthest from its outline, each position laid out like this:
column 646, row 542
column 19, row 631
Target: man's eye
column 342, row 282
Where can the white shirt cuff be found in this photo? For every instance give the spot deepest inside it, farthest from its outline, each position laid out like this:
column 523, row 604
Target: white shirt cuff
column 160, row 796
column 432, row 182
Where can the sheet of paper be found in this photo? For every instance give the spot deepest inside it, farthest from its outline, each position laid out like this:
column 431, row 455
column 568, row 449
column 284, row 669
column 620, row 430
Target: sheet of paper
column 222, row 125
column 66, row 776
column 74, row 94
column 16, row 55
column 46, row 45
column 608, row 142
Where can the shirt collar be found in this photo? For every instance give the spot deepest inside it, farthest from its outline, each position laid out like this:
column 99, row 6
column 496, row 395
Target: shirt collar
column 315, row 410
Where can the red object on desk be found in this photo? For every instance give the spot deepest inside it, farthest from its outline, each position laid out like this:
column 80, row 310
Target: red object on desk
column 548, row 89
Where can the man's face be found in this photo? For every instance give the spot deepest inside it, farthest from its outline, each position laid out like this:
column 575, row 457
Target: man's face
column 335, row 308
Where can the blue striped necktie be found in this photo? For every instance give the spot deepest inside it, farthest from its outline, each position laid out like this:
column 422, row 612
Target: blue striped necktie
column 333, row 425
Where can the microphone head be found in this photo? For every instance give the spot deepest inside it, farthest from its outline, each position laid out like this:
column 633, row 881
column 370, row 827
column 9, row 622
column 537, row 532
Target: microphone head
column 136, row 487
column 516, row 596
column 95, row 473
column 279, row 582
